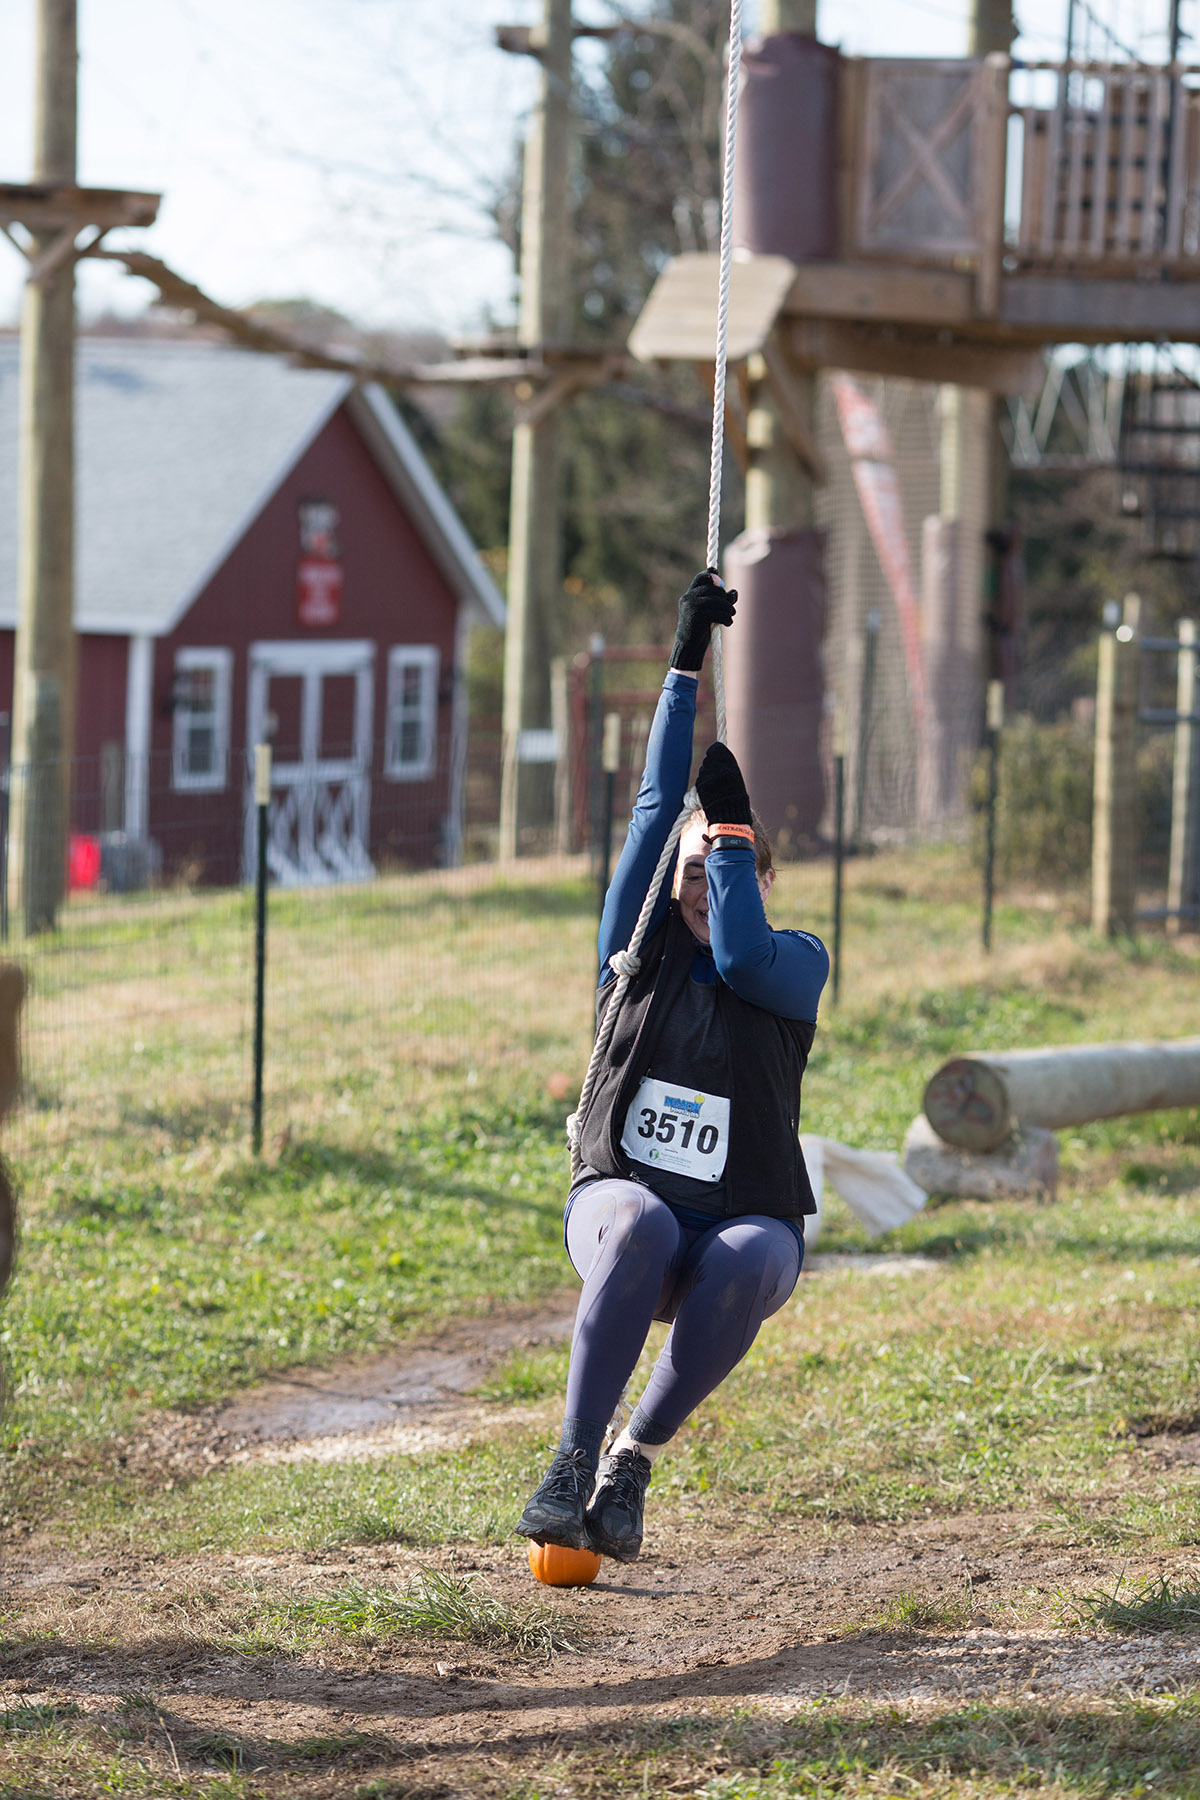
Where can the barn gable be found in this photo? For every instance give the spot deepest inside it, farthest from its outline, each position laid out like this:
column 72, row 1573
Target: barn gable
column 180, row 445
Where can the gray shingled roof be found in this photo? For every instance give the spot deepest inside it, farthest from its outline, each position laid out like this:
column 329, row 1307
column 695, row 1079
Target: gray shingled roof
column 178, row 447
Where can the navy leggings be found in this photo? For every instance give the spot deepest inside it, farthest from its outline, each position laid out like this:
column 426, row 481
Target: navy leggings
column 638, row 1263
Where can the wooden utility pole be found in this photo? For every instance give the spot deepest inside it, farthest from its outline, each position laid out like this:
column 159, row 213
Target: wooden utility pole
column 1114, row 807
column 535, row 507
column 51, row 212
column 779, row 486
column 1183, row 869
column 973, row 491
column 44, row 672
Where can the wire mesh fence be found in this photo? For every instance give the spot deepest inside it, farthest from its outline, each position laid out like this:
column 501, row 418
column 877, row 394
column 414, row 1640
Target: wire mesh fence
column 384, row 1000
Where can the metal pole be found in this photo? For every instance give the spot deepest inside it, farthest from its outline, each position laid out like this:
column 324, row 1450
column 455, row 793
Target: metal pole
column 866, row 700
column 839, row 855
column 595, row 745
column 262, row 802
column 995, row 723
column 610, row 762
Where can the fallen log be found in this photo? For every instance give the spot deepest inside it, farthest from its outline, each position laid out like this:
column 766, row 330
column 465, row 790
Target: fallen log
column 975, row 1101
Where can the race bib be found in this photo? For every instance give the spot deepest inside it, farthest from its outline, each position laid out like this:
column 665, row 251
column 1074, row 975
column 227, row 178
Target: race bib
column 675, row 1128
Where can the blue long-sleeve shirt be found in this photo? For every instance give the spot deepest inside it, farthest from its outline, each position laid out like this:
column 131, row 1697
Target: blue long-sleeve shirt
column 781, row 971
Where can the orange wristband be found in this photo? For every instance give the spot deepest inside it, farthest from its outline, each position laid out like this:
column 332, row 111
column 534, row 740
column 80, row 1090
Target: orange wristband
column 742, row 831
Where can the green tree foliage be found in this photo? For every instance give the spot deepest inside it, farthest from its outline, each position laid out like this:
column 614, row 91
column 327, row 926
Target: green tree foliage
column 1044, row 810
column 1081, row 549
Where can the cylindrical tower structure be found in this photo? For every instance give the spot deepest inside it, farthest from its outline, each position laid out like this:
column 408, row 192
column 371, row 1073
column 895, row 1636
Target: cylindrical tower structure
column 785, row 189
column 774, row 682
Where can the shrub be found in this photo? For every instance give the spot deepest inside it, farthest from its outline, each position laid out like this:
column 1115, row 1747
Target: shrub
column 1044, row 804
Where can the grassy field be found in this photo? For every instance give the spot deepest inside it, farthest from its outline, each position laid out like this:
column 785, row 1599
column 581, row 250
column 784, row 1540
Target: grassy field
column 1017, row 1377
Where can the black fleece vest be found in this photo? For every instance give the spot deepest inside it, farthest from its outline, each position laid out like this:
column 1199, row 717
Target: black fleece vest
column 764, row 1170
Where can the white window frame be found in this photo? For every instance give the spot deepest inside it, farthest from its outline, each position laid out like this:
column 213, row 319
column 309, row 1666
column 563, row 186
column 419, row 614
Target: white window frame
column 220, row 663
column 426, row 657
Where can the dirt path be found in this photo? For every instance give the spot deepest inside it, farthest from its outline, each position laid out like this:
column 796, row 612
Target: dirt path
column 700, row 1626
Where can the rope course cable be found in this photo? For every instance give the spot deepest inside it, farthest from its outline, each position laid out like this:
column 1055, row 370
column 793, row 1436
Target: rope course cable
column 626, row 963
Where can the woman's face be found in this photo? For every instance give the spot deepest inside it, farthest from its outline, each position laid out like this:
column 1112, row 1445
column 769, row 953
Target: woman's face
column 691, row 880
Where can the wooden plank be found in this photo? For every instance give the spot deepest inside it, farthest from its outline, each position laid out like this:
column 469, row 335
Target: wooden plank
column 1123, row 233
column 1182, row 853
column 1156, row 126
column 1102, row 173
column 1000, row 368
column 1076, row 134
column 1063, row 309
column 852, row 75
column 863, row 222
column 992, row 165
column 1049, row 214
column 679, row 319
column 735, row 430
column 792, row 413
column 877, row 291
column 45, row 207
column 1033, row 144
column 1177, row 173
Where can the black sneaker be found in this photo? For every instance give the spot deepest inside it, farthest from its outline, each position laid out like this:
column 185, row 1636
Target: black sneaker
column 614, row 1519
column 554, row 1514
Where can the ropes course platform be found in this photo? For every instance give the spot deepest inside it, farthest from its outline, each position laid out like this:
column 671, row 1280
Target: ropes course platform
column 946, row 220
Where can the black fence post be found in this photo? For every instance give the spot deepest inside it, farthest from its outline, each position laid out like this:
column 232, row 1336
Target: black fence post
column 262, row 802
column 995, row 722
column 866, row 700
column 610, row 762
column 595, row 726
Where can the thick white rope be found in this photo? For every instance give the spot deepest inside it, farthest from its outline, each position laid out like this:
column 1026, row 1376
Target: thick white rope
column 626, row 963
column 717, row 458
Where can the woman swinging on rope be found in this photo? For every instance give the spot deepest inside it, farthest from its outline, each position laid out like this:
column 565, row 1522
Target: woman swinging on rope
column 689, row 1203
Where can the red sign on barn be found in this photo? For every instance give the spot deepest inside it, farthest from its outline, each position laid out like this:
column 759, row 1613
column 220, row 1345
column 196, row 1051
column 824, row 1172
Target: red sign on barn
column 319, row 572
column 318, row 591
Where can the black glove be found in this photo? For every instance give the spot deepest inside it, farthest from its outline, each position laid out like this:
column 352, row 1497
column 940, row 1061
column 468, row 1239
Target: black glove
column 705, row 604
column 721, row 789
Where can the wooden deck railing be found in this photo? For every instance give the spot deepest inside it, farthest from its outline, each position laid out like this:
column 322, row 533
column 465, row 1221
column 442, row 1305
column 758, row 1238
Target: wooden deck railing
column 1110, row 173
column 994, row 167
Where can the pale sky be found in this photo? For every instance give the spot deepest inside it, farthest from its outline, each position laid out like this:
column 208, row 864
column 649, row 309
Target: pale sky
column 343, row 149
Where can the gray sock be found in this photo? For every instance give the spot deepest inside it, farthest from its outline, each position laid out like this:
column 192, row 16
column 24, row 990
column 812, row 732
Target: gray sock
column 582, row 1434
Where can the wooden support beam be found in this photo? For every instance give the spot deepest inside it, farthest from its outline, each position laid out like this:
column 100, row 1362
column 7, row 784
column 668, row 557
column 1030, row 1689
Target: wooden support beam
column 1114, row 808
column 735, row 424
column 896, row 294
column 1086, row 308
column 1183, row 866
column 792, row 410
column 942, row 356
column 48, row 207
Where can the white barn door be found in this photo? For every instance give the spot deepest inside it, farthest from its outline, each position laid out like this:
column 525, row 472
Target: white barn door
column 314, row 704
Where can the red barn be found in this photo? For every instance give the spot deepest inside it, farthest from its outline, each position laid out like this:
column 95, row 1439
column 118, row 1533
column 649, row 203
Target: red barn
column 262, row 554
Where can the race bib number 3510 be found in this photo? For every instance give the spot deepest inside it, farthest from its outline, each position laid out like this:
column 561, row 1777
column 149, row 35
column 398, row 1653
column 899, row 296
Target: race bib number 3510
column 675, row 1128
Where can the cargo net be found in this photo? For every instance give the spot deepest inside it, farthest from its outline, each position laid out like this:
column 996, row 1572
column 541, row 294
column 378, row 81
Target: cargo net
column 894, row 790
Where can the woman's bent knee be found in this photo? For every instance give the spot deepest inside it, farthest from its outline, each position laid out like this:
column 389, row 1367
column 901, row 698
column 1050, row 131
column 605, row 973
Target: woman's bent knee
column 640, row 1224
column 755, row 1261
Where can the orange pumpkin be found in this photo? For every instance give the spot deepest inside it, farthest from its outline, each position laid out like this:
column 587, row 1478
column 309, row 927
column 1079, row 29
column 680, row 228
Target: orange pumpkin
column 558, row 1567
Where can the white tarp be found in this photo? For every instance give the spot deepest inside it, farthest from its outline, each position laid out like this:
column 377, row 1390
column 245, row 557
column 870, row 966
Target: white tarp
column 871, row 1182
